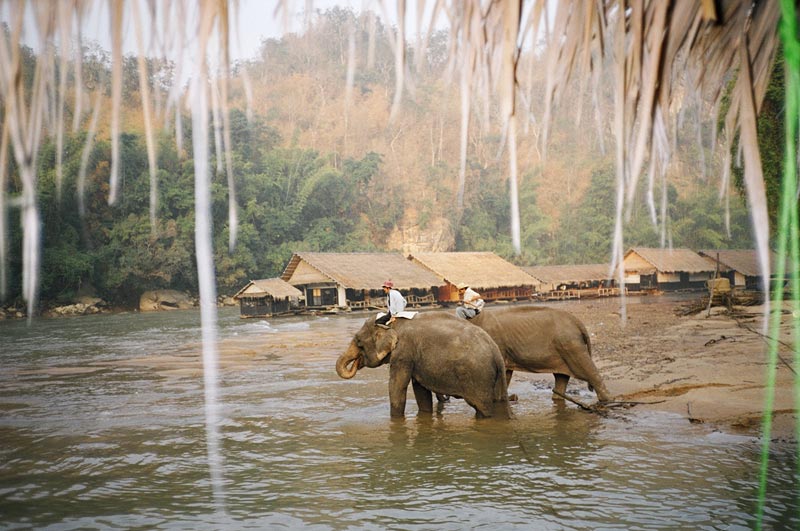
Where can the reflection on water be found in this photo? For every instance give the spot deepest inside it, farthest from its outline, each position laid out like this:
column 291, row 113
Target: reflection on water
column 101, row 423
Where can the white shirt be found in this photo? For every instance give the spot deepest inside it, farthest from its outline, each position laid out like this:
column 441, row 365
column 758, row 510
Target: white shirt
column 473, row 300
column 397, row 303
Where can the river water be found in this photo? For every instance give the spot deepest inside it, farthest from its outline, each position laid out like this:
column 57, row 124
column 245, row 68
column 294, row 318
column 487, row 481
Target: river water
column 101, row 426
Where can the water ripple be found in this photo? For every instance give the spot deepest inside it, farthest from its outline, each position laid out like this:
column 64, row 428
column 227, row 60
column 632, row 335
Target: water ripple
column 113, row 436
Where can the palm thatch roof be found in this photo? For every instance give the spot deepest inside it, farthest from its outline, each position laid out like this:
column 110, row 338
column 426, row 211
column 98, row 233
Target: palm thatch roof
column 744, row 261
column 274, row 287
column 365, row 271
column 480, row 270
column 558, row 274
column 667, row 260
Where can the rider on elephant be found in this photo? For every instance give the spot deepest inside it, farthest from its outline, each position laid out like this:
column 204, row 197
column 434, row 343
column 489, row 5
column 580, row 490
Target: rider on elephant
column 472, row 303
column 395, row 303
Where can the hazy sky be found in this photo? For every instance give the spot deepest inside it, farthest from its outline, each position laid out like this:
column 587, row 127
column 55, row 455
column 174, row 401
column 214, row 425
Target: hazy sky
column 256, row 20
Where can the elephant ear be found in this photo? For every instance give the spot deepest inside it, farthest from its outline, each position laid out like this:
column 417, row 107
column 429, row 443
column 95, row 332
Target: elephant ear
column 385, row 341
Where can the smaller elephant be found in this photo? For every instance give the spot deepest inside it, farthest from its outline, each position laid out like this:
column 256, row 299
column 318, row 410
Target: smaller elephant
column 436, row 353
column 543, row 340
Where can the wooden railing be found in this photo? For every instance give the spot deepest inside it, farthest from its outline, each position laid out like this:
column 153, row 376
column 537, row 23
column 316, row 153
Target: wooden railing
column 359, row 305
column 511, row 294
column 411, row 300
column 607, row 292
column 562, row 294
column 416, row 300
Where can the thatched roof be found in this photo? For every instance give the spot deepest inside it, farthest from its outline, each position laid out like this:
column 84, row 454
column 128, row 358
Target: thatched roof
column 360, row 270
column 744, row 261
column 670, row 260
column 555, row 274
column 274, row 287
column 480, row 270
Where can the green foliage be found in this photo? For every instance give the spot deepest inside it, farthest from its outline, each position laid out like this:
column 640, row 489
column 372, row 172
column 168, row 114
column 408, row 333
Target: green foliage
column 696, row 222
column 288, row 200
column 585, row 232
column 484, row 225
column 699, row 223
column 64, row 267
column 770, row 128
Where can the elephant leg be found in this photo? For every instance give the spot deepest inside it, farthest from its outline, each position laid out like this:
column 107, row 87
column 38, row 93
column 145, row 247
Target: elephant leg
column 580, row 362
column 561, row 385
column 399, row 377
column 509, row 374
column 442, row 398
column 423, row 396
column 600, row 388
column 595, row 381
column 483, row 410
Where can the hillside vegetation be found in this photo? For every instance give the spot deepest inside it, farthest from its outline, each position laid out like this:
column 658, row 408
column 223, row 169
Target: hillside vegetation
column 318, row 167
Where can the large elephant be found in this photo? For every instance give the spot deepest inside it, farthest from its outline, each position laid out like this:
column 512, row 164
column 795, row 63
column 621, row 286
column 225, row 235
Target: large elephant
column 437, row 353
column 544, row 340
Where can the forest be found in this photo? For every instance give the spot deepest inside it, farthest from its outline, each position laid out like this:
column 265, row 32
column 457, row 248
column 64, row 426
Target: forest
column 318, row 167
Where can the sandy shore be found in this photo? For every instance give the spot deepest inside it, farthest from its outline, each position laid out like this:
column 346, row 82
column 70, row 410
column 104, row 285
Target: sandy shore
column 709, row 368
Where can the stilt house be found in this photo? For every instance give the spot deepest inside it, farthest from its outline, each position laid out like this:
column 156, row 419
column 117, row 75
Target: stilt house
column 584, row 280
column 651, row 269
column 740, row 266
column 268, row 297
column 485, row 272
column 332, row 281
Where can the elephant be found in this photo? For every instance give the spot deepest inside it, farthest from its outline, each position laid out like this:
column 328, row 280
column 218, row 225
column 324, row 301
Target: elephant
column 437, row 353
column 543, row 340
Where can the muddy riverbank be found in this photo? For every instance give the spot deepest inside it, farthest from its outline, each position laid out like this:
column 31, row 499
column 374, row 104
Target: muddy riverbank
column 708, row 368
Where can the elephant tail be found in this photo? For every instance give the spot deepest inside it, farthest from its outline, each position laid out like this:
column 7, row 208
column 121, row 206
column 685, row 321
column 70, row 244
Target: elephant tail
column 500, row 385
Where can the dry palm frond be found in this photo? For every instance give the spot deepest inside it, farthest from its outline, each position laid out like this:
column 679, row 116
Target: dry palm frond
column 655, row 45
column 87, row 152
column 24, row 119
column 149, row 134
column 28, row 115
column 116, row 95
column 3, row 212
column 656, row 49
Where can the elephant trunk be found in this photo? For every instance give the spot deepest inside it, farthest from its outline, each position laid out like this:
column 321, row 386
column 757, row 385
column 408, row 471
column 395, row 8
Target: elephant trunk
column 348, row 363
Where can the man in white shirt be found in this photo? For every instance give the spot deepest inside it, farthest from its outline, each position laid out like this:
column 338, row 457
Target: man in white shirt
column 472, row 302
column 395, row 303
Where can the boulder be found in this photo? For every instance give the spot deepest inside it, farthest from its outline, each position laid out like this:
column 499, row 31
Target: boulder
column 164, row 299
column 435, row 235
column 89, row 300
column 225, row 300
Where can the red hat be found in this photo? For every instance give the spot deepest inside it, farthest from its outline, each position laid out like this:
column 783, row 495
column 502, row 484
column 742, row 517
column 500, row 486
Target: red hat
column 388, row 284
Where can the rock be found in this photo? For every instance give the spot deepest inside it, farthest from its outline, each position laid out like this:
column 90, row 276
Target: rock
column 226, row 301
column 78, row 308
column 434, row 235
column 164, row 299
column 11, row 312
column 89, row 300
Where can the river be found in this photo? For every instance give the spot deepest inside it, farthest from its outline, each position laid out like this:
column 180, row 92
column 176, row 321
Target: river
column 101, row 426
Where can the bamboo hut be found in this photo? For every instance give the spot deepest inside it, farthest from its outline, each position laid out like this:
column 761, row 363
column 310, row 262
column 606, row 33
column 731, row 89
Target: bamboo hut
column 334, row 281
column 493, row 277
column 654, row 269
column 583, row 280
column 740, row 266
column 268, row 297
